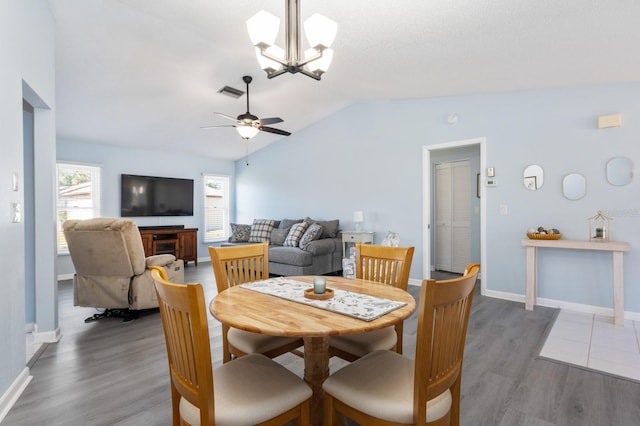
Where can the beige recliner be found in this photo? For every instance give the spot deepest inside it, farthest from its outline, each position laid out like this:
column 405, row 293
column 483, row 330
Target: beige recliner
column 111, row 269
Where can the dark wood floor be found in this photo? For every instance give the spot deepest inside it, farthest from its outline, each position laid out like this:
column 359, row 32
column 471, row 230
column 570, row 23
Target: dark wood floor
column 115, row 373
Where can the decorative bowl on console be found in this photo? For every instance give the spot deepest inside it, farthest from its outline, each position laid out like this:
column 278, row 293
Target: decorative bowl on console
column 544, row 234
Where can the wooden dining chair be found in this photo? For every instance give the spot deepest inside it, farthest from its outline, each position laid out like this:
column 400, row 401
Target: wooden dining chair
column 383, row 265
column 253, row 390
column 386, row 388
column 237, row 265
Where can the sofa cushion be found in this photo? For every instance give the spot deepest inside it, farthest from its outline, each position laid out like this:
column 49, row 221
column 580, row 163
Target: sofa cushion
column 240, row 233
column 313, row 232
column 324, row 246
column 286, row 223
column 278, row 236
column 261, row 230
column 295, row 233
column 329, row 227
column 290, row 256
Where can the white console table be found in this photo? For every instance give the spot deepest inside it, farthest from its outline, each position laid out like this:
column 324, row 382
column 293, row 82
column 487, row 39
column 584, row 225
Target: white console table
column 615, row 247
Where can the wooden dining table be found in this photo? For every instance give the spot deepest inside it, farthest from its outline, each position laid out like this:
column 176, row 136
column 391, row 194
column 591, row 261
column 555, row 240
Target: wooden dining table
column 266, row 314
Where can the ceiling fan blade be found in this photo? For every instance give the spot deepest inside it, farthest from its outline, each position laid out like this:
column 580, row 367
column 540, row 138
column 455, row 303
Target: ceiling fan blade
column 219, row 125
column 271, row 120
column 274, row 130
column 228, row 117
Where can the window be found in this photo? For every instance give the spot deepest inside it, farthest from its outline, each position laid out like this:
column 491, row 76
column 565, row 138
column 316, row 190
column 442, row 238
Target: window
column 78, row 195
column 216, row 208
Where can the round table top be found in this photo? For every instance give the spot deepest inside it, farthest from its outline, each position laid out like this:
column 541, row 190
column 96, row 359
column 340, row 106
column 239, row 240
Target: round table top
column 262, row 313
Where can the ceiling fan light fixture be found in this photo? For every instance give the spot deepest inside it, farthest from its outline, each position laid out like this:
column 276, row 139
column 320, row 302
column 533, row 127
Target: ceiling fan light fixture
column 321, row 33
column 263, row 28
column 247, row 131
column 320, row 30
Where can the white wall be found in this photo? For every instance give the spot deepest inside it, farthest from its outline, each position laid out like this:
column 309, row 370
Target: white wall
column 117, row 160
column 27, row 58
column 368, row 157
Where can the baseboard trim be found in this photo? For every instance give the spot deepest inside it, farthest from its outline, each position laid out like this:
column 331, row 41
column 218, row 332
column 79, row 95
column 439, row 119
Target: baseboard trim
column 415, row 281
column 52, row 336
column 9, row 398
column 561, row 304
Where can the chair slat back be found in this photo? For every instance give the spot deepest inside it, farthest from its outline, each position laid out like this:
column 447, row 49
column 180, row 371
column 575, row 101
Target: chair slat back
column 239, row 264
column 384, row 264
column 184, row 321
column 443, row 317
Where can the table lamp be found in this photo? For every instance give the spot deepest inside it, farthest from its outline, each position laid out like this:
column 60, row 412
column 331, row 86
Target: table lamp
column 358, row 218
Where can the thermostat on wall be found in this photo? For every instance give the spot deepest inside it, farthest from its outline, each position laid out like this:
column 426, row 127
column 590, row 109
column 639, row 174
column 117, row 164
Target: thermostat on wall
column 491, row 182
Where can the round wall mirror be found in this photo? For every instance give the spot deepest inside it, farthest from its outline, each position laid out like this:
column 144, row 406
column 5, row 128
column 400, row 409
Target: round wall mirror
column 533, row 177
column 620, row 171
column 574, row 186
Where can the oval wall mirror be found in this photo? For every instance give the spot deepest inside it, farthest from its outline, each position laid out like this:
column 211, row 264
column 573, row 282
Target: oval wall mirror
column 619, row 171
column 574, row 186
column 533, row 177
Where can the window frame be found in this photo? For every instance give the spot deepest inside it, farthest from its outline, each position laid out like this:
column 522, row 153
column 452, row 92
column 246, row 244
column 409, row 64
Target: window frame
column 208, row 236
column 95, row 170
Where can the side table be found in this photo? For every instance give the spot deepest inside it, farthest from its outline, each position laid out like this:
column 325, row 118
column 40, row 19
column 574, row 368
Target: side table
column 355, row 237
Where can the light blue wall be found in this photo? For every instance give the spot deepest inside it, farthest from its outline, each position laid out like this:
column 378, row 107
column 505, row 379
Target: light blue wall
column 27, row 71
column 369, row 157
column 117, row 160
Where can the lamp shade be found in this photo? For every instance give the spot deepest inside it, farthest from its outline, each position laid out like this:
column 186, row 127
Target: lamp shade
column 321, row 64
column 266, row 63
column 358, row 216
column 320, row 30
column 247, row 131
column 263, row 28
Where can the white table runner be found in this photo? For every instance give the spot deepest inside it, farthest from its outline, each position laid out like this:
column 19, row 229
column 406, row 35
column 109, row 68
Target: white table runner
column 356, row 305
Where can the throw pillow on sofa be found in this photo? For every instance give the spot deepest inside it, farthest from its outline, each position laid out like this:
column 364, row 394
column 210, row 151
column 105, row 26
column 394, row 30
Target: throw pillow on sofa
column 313, row 232
column 295, row 233
column 240, row 233
column 286, row 223
column 261, row 230
column 329, row 227
column 278, row 236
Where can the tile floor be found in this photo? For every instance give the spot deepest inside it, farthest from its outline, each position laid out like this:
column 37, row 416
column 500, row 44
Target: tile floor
column 593, row 341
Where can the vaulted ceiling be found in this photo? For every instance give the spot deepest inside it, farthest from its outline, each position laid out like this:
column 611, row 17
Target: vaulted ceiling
column 146, row 73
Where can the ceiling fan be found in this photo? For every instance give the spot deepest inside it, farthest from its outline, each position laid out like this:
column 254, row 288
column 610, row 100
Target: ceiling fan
column 247, row 124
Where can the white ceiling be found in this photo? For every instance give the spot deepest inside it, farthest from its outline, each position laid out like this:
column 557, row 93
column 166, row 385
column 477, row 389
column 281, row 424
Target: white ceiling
column 146, row 73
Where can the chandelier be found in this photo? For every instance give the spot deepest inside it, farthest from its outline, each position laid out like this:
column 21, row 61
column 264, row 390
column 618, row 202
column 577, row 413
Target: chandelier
column 263, row 29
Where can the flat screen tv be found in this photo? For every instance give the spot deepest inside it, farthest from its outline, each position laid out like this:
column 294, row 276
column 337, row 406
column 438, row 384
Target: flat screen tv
column 155, row 196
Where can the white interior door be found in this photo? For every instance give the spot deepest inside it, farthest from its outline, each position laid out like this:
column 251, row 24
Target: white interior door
column 453, row 216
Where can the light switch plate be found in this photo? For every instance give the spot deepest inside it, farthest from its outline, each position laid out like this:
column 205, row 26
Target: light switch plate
column 16, row 213
column 491, row 172
column 613, row 120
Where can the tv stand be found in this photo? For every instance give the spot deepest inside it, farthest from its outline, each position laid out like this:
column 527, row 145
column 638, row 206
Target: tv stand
column 171, row 239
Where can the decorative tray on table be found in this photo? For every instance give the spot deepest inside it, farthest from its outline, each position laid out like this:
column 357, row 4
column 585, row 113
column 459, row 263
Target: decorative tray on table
column 309, row 294
column 544, row 234
column 536, row 236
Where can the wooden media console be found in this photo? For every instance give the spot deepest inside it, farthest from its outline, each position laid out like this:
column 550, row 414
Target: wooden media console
column 180, row 242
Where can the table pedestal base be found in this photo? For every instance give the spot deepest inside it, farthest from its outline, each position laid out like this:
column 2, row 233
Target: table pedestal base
column 316, row 370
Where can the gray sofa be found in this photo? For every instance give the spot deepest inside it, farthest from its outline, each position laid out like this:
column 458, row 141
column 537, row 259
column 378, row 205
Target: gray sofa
column 317, row 256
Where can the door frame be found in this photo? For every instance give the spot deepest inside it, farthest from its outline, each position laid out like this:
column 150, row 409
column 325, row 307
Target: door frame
column 427, row 190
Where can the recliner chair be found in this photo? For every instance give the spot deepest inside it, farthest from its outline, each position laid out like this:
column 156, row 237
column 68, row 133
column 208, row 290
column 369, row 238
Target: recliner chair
column 112, row 271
